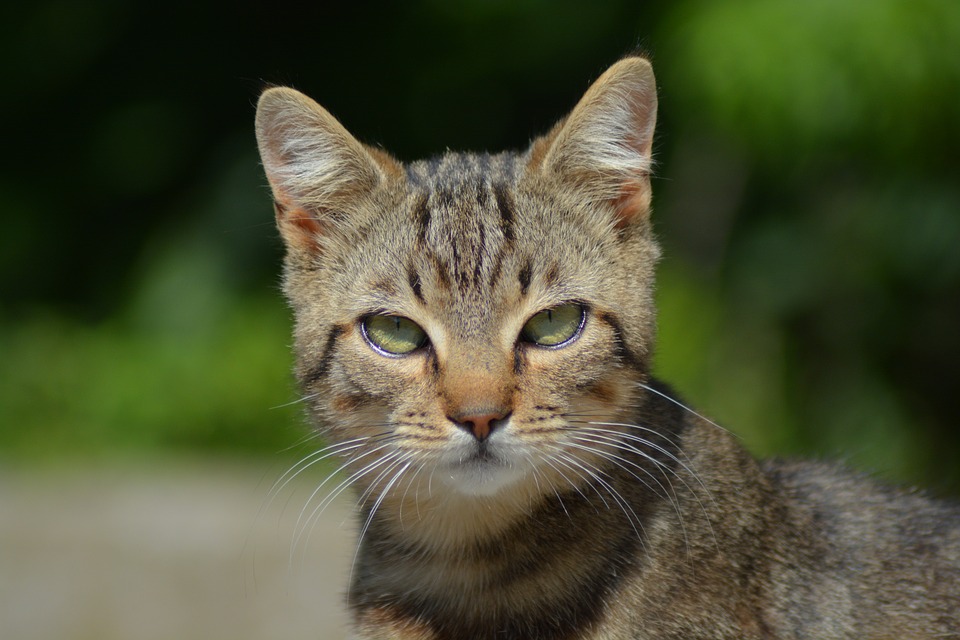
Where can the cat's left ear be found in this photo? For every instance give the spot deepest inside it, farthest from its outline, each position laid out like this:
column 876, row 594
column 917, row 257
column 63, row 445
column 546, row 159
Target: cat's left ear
column 603, row 149
column 318, row 172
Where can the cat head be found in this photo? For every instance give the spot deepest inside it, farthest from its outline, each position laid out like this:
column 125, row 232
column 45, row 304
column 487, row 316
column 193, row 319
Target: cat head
column 458, row 317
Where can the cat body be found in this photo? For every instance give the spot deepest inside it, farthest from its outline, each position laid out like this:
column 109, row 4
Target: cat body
column 473, row 335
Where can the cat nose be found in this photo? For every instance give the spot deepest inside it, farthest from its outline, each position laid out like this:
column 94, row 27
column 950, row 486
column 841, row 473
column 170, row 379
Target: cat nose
column 480, row 423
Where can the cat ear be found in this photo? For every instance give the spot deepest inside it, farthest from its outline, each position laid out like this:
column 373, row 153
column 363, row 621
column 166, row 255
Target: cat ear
column 318, row 172
column 604, row 147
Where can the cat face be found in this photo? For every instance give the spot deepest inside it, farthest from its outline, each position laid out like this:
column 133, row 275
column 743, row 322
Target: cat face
column 459, row 319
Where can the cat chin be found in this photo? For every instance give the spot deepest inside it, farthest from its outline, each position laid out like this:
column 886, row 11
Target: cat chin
column 480, row 478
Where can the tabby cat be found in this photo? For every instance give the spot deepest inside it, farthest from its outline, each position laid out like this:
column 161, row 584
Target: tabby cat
column 473, row 338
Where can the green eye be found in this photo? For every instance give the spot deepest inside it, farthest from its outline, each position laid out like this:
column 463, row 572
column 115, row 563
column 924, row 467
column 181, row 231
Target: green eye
column 394, row 335
column 554, row 327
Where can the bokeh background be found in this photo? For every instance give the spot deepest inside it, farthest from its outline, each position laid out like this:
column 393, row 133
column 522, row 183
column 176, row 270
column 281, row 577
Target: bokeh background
column 807, row 195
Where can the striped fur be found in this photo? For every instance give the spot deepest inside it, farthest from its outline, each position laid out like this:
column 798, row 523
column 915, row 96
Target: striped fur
column 592, row 504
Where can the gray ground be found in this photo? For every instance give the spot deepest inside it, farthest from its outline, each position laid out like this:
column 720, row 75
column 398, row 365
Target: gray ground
column 167, row 551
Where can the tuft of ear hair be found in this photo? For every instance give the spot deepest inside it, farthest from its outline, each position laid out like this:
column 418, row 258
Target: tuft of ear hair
column 317, row 171
column 604, row 148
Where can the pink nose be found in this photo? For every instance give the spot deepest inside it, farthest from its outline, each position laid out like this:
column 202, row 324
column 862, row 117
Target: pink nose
column 480, row 423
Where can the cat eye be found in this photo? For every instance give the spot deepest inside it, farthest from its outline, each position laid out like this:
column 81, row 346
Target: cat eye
column 554, row 327
column 393, row 335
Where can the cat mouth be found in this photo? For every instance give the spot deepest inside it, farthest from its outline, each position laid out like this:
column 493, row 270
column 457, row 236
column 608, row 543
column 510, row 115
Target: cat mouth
column 482, row 472
column 481, row 457
column 483, row 453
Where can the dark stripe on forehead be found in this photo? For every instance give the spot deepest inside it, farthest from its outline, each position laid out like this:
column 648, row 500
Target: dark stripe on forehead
column 459, row 268
column 480, row 254
column 384, row 286
column 482, row 193
column 443, row 197
column 421, row 216
column 505, row 208
column 319, row 371
column 441, row 269
column 497, row 269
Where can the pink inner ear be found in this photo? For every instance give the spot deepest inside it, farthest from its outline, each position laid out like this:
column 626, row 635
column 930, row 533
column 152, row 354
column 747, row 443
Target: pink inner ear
column 633, row 201
column 300, row 228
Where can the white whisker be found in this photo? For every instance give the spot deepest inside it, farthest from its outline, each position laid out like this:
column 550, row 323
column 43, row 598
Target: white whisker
column 684, row 407
column 616, row 438
column 403, row 458
column 301, row 524
column 624, row 505
column 621, row 462
column 306, row 398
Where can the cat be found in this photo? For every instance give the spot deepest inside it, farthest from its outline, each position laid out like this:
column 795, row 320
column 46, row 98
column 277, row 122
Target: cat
column 473, row 337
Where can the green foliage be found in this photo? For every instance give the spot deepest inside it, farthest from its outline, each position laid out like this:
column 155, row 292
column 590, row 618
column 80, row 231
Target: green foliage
column 69, row 388
column 790, row 79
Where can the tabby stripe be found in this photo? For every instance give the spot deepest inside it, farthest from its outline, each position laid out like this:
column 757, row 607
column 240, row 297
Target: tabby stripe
column 385, row 286
column 413, row 278
column 422, row 214
column 634, row 361
column 440, row 266
column 481, row 194
column 434, row 363
column 458, row 272
column 444, row 198
column 518, row 362
column 319, row 370
column 553, row 275
column 524, row 276
column 505, row 208
column 480, row 255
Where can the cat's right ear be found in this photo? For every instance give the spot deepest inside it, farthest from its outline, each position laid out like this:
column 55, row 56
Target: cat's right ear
column 317, row 171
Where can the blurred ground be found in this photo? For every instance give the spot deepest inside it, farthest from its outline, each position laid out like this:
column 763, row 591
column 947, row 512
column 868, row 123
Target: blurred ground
column 167, row 551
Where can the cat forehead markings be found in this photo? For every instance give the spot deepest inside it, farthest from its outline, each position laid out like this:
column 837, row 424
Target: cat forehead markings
column 465, row 222
column 462, row 196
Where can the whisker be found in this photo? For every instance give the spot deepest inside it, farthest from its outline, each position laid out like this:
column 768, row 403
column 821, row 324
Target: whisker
column 306, row 462
column 405, row 457
column 552, row 461
column 313, row 434
column 605, row 419
column 644, row 441
column 596, row 474
column 305, row 398
column 398, row 457
column 305, row 531
column 403, row 498
column 300, row 525
column 617, row 435
column 573, row 465
column 654, row 446
column 619, row 461
column 684, row 407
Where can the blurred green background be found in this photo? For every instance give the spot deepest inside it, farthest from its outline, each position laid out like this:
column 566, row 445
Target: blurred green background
column 808, row 197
